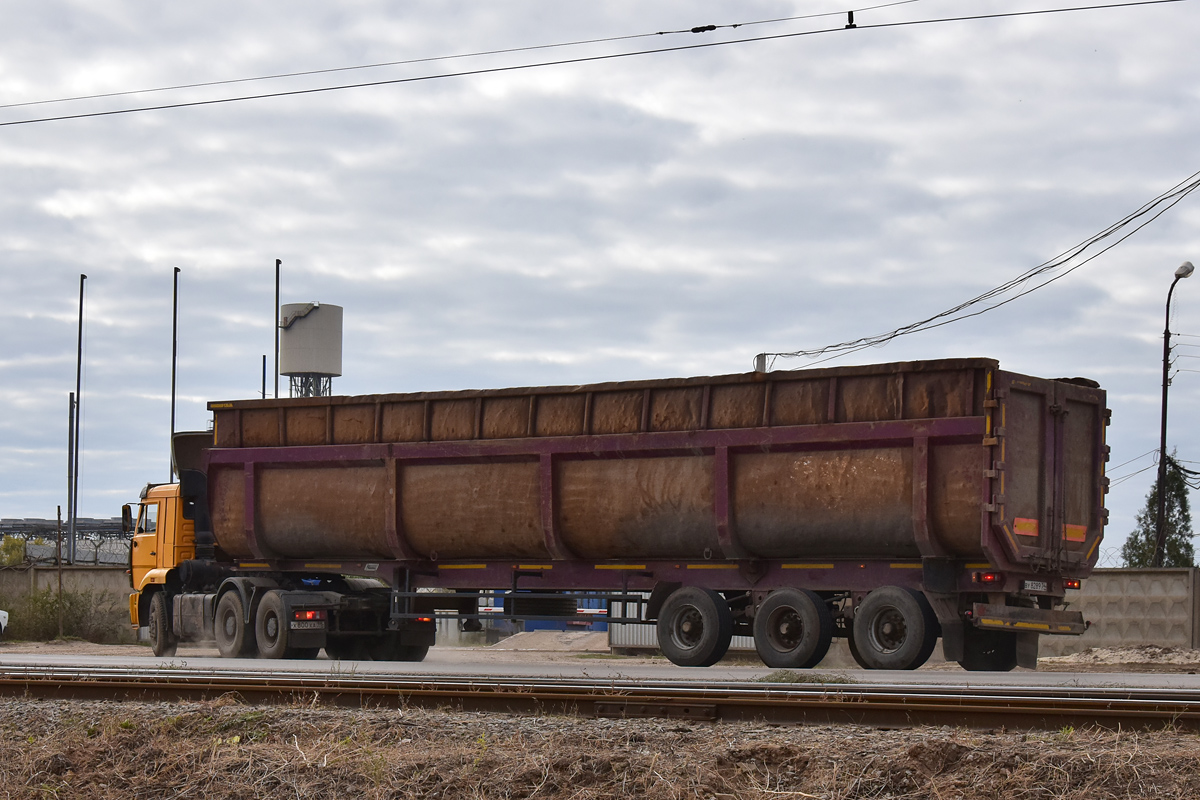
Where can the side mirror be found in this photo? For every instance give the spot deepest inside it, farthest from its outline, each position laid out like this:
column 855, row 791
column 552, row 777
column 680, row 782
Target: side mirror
column 126, row 519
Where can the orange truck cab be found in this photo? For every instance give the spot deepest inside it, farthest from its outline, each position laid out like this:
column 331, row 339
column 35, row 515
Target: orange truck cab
column 162, row 539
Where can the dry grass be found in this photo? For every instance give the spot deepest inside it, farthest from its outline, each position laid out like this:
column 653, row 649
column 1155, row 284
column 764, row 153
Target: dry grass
column 224, row 749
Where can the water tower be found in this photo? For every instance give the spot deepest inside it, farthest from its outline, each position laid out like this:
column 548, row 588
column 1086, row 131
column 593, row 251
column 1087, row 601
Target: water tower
column 310, row 347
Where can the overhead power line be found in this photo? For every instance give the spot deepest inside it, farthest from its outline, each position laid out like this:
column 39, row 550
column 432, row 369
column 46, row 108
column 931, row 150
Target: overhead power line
column 578, row 60
column 452, row 57
column 1050, row 271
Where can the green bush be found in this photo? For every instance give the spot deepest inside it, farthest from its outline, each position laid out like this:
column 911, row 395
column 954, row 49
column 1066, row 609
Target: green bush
column 12, row 551
column 90, row 615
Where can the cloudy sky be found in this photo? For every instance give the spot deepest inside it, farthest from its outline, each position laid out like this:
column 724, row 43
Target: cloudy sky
column 657, row 215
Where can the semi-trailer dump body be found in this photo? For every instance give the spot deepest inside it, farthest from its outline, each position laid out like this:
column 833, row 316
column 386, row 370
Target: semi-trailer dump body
column 889, row 504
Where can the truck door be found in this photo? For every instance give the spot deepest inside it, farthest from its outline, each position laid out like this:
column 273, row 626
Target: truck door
column 145, row 541
column 1049, row 451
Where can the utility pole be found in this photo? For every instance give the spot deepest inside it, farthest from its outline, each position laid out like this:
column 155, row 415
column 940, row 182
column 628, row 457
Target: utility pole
column 278, row 264
column 73, row 511
column 174, row 356
column 1160, row 531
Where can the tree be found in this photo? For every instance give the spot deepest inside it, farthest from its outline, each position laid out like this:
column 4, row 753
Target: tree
column 1138, row 550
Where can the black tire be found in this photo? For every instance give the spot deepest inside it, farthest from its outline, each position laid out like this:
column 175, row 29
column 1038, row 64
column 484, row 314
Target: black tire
column 389, row 648
column 271, row 627
column 895, row 628
column 792, row 629
column 235, row 639
column 857, row 656
column 346, row 648
column 988, row 651
column 161, row 640
column 695, row 627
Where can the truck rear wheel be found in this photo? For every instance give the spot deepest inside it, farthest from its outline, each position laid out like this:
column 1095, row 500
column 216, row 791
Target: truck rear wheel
column 895, row 628
column 389, row 649
column 235, row 639
column 988, row 651
column 161, row 640
column 792, row 629
column 271, row 627
column 695, row 627
column 346, row 648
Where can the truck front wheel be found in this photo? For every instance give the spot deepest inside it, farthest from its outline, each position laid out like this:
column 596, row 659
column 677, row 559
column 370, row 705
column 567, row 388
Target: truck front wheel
column 235, row 639
column 161, row 640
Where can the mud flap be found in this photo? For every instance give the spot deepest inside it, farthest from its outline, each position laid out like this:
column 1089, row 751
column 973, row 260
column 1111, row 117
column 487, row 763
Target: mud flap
column 952, row 641
column 1027, row 649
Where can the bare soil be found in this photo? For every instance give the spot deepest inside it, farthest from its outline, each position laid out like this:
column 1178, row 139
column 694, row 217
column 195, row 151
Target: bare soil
column 229, row 749
column 226, row 749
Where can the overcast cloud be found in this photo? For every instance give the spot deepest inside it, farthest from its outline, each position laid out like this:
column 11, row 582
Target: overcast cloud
column 654, row 216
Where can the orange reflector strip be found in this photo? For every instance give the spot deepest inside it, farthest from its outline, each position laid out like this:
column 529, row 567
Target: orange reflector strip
column 1075, row 533
column 462, row 566
column 1025, row 527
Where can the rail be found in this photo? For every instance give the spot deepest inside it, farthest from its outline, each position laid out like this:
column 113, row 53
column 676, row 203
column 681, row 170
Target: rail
column 1021, row 708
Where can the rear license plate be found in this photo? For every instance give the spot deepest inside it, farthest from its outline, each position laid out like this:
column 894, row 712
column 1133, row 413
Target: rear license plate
column 307, row 624
column 1036, row 586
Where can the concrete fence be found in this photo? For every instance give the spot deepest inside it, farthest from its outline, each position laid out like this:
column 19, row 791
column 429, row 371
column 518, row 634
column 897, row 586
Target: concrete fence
column 24, row 580
column 1130, row 607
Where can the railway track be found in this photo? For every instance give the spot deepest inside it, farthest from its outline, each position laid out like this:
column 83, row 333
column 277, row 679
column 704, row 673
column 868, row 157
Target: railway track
column 797, row 703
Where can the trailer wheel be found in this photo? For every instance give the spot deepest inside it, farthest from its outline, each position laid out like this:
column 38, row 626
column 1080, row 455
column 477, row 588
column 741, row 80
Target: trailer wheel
column 895, row 628
column 270, row 627
column 694, row 627
column 161, row 640
column 234, row 638
column 857, row 656
column 792, row 629
column 988, row 651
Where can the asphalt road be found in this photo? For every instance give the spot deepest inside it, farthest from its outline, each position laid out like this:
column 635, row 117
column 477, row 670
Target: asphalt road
column 485, row 662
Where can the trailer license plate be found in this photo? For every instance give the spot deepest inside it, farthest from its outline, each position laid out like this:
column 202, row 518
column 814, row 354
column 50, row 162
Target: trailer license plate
column 307, row 624
column 1036, row 586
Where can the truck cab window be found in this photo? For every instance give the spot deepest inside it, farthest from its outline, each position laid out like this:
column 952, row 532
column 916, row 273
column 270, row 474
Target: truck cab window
column 147, row 518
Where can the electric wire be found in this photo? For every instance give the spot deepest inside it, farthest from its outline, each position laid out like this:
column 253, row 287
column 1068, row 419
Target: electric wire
column 427, row 59
column 566, row 61
column 1123, row 478
column 1143, row 216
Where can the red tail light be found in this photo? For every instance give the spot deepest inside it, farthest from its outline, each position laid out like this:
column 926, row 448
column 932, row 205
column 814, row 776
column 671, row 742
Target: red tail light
column 1072, row 583
column 308, row 615
column 424, row 619
column 988, row 578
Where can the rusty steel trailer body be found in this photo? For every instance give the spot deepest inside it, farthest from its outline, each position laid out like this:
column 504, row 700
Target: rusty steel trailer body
column 888, row 503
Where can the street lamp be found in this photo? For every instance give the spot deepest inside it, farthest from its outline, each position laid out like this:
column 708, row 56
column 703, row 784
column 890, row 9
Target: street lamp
column 1160, row 530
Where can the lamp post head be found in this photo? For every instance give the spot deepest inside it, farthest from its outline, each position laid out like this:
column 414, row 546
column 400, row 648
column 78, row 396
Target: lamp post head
column 1185, row 270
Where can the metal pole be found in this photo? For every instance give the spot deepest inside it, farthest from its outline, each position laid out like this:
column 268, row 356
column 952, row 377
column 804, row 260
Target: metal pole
column 264, row 384
column 1160, row 529
column 74, row 510
column 278, row 264
column 60, row 603
column 174, row 356
column 70, row 462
